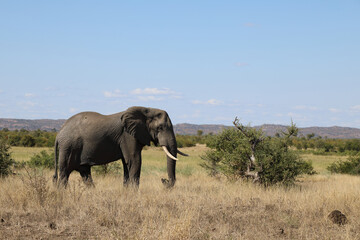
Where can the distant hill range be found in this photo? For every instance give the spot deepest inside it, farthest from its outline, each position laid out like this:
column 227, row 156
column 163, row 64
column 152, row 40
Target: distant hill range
column 272, row 129
column 189, row 129
column 42, row 124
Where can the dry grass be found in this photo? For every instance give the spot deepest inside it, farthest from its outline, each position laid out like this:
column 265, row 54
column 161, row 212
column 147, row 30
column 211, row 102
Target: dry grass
column 199, row 207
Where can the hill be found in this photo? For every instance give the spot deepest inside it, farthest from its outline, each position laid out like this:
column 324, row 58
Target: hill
column 42, row 124
column 272, row 129
column 188, row 129
column 192, row 129
column 328, row 132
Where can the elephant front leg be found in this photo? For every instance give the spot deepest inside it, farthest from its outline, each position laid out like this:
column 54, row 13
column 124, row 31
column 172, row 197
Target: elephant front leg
column 85, row 172
column 134, row 171
column 126, row 173
column 131, row 151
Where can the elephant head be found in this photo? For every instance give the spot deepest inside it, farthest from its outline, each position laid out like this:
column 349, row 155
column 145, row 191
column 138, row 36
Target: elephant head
column 154, row 125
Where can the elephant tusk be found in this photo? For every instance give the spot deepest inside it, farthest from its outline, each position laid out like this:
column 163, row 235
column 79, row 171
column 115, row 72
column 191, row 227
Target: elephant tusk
column 168, row 153
column 181, row 153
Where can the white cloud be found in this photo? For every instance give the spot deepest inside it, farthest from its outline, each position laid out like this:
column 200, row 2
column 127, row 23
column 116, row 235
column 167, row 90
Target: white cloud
column 208, row 102
column 29, row 95
column 214, row 102
column 303, row 107
column 73, row 110
column 297, row 117
column 152, row 91
column 149, row 98
column 28, row 104
column 114, row 94
column 154, row 94
column 355, row 108
column 335, row 110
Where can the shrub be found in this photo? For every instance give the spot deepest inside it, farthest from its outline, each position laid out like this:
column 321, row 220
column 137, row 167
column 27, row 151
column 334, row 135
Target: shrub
column 350, row 166
column 36, row 184
column 42, row 160
column 185, row 141
column 110, row 168
column 5, row 159
column 280, row 164
column 229, row 155
column 27, row 141
column 26, row 138
column 232, row 150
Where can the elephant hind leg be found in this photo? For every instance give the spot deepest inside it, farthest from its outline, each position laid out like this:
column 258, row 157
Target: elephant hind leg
column 64, row 178
column 85, row 172
column 64, row 170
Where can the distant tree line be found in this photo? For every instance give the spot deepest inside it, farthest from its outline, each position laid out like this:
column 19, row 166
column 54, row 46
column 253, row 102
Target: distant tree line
column 192, row 140
column 230, row 139
column 308, row 143
column 319, row 145
column 25, row 138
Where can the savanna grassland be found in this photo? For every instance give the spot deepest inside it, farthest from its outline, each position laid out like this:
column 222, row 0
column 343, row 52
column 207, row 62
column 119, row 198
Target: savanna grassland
column 198, row 207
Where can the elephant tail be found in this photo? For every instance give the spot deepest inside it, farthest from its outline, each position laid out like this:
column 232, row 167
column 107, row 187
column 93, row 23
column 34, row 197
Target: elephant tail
column 55, row 177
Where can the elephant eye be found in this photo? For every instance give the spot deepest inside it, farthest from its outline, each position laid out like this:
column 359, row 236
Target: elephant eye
column 160, row 128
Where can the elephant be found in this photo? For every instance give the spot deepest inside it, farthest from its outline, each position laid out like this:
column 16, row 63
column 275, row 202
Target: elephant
column 89, row 138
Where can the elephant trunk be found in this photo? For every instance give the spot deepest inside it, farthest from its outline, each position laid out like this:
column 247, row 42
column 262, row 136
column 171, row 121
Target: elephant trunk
column 171, row 166
column 171, row 148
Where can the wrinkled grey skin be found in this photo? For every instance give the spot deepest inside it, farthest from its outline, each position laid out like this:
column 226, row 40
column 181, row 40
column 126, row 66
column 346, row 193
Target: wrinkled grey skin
column 89, row 138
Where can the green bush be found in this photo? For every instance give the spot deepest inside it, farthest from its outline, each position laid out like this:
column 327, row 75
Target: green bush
column 185, row 141
column 275, row 162
column 37, row 138
column 42, row 160
column 110, row 168
column 27, row 141
column 229, row 154
column 280, row 164
column 6, row 161
column 350, row 166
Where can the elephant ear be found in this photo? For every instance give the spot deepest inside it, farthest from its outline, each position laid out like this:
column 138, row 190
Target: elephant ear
column 134, row 121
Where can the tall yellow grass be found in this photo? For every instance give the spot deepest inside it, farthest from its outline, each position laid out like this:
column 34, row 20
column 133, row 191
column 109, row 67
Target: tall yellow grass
column 198, row 207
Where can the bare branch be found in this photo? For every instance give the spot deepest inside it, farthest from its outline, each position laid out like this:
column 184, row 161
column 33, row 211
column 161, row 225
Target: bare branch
column 239, row 126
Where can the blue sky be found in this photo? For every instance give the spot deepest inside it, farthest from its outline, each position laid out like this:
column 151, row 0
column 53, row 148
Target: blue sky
column 204, row 62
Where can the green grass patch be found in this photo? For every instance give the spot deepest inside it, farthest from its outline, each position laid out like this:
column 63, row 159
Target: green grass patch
column 321, row 162
column 20, row 154
column 154, row 160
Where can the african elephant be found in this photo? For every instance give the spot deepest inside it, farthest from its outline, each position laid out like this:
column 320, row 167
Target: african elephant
column 89, row 138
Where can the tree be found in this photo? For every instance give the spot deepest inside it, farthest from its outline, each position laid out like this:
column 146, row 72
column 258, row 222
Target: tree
column 28, row 141
column 244, row 152
column 5, row 159
column 310, row 136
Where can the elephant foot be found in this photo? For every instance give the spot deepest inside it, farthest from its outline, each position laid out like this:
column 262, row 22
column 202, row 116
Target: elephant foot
column 131, row 184
column 167, row 183
column 89, row 184
column 55, row 178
